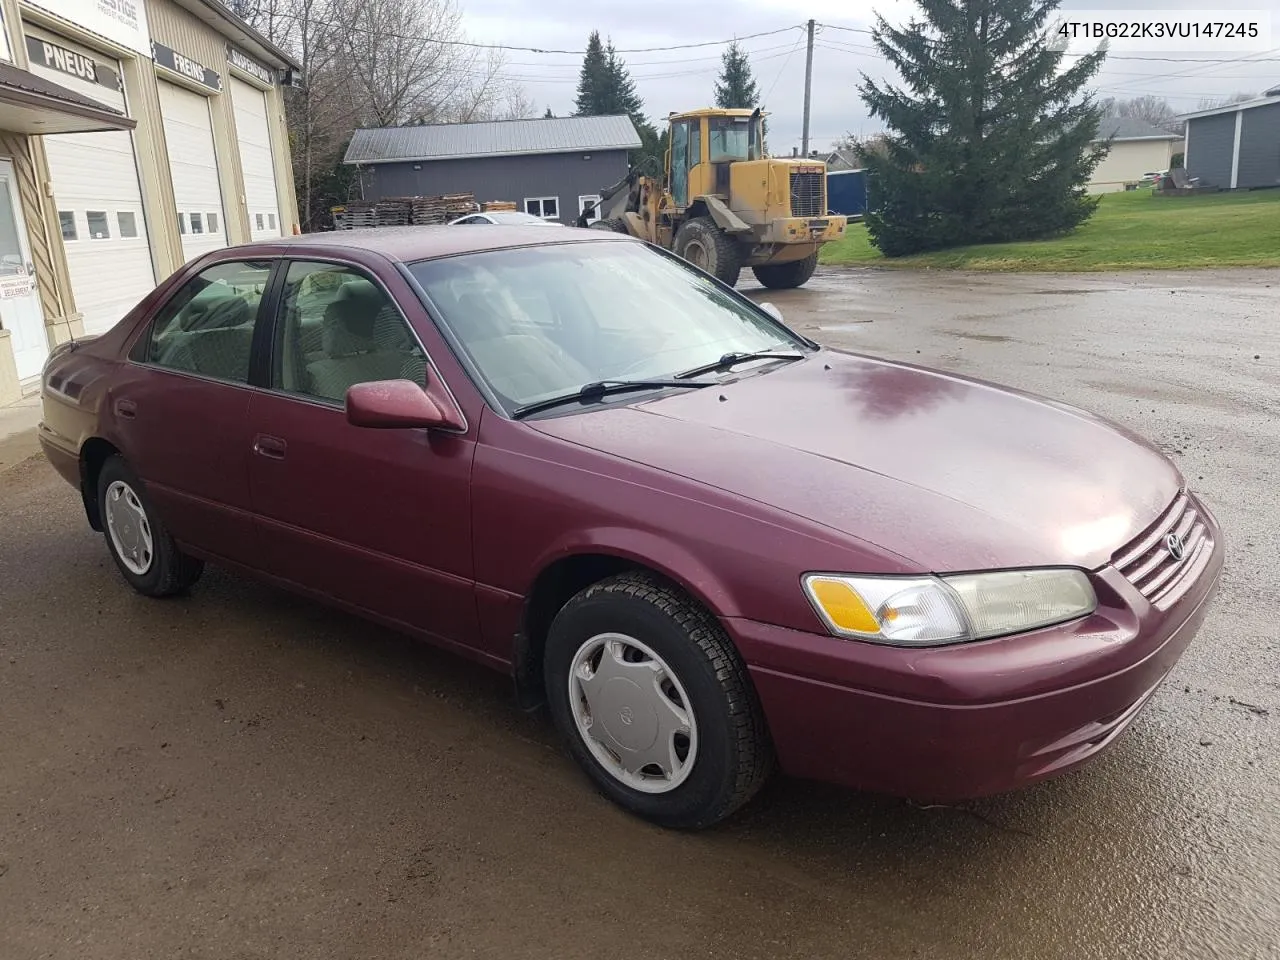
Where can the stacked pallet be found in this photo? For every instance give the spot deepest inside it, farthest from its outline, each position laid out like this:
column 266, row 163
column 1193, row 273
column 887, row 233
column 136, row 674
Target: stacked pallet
column 402, row 211
column 499, row 206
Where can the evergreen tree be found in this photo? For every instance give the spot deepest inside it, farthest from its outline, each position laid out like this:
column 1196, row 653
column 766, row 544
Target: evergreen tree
column 988, row 141
column 736, row 87
column 593, row 81
column 548, row 115
column 605, row 88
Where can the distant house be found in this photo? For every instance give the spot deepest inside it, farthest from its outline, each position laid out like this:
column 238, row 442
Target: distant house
column 552, row 167
column 1137, row 148
column 842, row 159
column 1236, row 146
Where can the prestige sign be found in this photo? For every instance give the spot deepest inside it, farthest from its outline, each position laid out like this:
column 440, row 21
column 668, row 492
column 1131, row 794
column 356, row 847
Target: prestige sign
column 246, row 64
column 183, row 65
column 121, row 21
column 71, row 63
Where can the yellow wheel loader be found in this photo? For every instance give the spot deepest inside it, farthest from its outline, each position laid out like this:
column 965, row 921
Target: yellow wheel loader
column 722, row 205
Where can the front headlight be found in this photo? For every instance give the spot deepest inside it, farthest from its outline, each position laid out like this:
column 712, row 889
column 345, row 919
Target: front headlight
column 929, row 611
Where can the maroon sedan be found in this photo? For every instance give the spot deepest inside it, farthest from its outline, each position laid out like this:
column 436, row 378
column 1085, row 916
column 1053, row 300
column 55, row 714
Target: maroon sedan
column 703, row 540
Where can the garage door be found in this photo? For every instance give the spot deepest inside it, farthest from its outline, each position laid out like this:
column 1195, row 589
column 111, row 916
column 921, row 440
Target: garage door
column 95, row 187
column 254, row 134
column 188, row 134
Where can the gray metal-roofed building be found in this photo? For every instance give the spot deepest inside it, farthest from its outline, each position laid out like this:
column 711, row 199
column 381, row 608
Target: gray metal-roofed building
column 550, row 167
column 1236, row 146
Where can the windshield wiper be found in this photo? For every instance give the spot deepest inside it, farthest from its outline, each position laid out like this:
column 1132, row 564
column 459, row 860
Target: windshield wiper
column 729, row 360
column 589, row 392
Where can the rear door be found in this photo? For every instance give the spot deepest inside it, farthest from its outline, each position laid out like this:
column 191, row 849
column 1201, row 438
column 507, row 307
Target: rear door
column 380, row 519
column 181, row 408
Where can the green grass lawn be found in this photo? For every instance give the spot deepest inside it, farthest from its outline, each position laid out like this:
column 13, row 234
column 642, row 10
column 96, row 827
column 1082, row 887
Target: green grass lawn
column 1132, row 230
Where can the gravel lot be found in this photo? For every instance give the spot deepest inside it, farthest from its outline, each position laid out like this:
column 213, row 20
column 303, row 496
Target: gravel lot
column 240, row 774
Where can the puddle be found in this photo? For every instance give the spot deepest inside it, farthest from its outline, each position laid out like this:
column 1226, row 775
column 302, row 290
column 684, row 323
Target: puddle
column 984, row 337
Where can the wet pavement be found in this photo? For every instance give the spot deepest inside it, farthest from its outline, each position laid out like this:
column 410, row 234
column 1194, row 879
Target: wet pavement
column 241, row 774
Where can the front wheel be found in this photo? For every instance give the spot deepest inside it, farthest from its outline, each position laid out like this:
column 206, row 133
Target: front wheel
column 709, row 248
column 654, row 703
column 611, row 226
column 138, row 540
column 785, row 276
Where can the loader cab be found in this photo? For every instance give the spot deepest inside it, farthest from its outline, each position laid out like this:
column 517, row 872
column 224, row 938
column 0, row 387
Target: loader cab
column 703, row 145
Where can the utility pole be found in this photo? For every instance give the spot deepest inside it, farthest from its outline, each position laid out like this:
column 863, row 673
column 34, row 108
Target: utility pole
column 808, row 83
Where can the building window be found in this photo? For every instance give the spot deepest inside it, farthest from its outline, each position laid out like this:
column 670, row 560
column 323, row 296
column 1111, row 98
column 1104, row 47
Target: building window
column 548, row 208
column 182, row 223
column 68, row 221
column 271, row 220
column 591, row 200
column 212, row 221
column 197, row 223
column 128, row 223
column 257, row 221
column 97, row 221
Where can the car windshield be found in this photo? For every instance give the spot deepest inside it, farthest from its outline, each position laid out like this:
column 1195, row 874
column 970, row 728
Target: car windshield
column 539, row 322
column 731, row 139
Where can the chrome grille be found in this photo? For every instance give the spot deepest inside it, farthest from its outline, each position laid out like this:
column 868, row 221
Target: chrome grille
column 1150, row 565
column 807, row 198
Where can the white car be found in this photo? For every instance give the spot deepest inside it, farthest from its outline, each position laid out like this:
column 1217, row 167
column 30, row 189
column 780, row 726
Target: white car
column 507, row 218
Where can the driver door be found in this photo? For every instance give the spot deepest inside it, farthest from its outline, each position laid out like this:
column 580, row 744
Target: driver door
column 679, row 160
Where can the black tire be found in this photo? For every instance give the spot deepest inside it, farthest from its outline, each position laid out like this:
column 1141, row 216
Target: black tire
column 170, row 571
column 709, row 248
column 613, row 226
column 733, row 758
column 785, row 276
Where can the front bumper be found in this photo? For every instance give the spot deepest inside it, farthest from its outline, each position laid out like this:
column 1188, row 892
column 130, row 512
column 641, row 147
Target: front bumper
column 951, row 723
column 803, row 230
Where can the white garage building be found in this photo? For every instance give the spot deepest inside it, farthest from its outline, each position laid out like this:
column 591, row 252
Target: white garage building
column 135, row 135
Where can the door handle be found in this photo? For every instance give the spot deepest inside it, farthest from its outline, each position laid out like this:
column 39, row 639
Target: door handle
column 273, row 448
column 126, row 409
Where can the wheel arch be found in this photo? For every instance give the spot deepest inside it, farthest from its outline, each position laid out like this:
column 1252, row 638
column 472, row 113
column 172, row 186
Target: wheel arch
column 94, row 452
column 560, row 578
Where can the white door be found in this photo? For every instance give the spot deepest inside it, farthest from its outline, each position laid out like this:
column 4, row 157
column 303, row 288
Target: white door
column 20, row 311
column 254, row 134
column 95, row 187
column 188, row 134
column 589, row 200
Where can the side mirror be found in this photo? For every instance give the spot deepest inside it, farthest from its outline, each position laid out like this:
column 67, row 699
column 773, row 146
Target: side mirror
column 401, row 404
column 772, row 311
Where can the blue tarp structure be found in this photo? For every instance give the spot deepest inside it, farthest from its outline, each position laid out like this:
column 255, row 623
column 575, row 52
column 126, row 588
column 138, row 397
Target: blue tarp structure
column 847, row 192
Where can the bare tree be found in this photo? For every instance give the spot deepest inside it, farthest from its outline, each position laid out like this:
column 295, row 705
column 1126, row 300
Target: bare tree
column 1154, row 110
column 374, row 63
column 1210, row 103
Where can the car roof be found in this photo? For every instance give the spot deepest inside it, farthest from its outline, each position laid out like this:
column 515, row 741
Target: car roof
column 410, row 244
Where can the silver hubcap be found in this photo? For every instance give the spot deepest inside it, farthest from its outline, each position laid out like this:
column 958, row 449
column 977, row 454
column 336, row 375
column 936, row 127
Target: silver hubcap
column 633, row 713
column 128, row 528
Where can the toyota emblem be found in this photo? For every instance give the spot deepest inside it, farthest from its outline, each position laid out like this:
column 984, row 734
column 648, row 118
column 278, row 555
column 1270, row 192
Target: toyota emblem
column 1173, row 543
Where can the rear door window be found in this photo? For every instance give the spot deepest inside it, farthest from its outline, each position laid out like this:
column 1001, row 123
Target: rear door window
column 206, row 328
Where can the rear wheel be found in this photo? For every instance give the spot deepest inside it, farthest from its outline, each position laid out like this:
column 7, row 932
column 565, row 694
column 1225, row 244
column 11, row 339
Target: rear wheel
column 709, row 248
column 138, row 539
column 654, row 702
column 784, row 276
column 613, row 226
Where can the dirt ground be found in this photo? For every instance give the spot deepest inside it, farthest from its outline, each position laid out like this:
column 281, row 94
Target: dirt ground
column 240, row 774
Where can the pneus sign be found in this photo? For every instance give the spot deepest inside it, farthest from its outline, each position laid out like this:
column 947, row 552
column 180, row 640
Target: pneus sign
column 184, row 66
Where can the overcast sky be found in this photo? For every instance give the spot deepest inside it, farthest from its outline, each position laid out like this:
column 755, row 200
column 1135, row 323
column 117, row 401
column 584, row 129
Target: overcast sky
column 681, row 80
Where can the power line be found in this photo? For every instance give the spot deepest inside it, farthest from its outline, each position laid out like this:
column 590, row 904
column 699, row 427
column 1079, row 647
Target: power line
column 543, row 50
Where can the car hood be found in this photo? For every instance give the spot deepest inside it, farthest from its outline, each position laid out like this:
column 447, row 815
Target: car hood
column 949, row 473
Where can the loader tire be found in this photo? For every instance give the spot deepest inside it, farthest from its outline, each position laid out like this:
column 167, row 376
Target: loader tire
column 784, row 276
column 709, row 248
column 613, row 226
